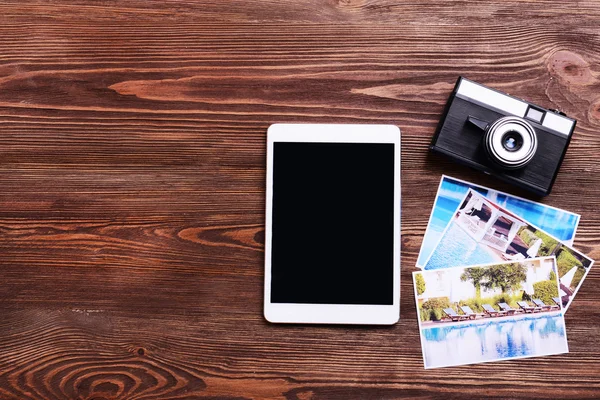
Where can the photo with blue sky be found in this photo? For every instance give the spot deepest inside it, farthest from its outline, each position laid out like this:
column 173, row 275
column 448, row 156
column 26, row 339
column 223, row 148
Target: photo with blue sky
column 490, row 312
column 559, row 223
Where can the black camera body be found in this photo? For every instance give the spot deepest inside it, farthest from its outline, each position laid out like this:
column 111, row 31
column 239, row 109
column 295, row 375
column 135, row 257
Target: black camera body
column 514, row 140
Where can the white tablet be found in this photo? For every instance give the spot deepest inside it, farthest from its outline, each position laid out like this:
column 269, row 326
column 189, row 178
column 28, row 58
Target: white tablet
column 332, row 245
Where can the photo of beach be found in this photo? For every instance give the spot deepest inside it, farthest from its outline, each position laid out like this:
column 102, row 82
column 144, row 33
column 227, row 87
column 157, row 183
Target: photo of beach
column 559, row 223
column 490, row 312
column 482, row 232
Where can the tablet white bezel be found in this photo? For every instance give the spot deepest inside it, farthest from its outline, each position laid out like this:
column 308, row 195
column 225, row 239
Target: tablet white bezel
column 332, row 313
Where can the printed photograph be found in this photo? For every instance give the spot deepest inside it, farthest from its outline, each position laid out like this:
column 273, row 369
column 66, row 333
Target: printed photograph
column 482, row 232
column 490, row 312
column 559, row 223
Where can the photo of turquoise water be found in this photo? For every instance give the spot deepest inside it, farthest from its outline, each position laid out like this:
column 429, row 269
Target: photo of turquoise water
column 458, row 248
column 559, row 223
column 493, row 339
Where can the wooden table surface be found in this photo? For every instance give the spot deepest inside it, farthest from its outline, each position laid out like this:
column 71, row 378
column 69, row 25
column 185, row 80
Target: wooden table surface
column 132, row 187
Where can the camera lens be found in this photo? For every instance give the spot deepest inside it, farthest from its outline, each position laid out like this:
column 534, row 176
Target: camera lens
column 510, row 142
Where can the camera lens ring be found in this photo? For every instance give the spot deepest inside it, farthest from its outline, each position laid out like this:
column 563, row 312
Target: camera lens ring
column 498, row 149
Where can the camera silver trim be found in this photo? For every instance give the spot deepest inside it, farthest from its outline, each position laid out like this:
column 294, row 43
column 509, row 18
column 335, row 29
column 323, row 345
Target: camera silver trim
column 557, row 123
column 510, row 159
column 511, row 105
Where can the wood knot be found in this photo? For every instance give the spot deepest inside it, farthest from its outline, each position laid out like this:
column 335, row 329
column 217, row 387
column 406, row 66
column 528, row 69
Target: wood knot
column 243, row 236
column 594, row 112
column 570, row 68
column 259, row 237
column 140, row 351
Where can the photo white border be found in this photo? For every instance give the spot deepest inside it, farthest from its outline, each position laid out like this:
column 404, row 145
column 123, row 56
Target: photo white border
column 471, row 185
column 561, row 312
column 530, row 225
column 332, row 313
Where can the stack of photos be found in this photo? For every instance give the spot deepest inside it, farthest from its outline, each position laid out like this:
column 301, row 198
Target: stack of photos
column 451, row 191
column 482, row 232
column 490, row 312
column 487, row 256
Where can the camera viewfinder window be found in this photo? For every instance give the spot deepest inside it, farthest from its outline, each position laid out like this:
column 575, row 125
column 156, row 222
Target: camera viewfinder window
column 534, row 115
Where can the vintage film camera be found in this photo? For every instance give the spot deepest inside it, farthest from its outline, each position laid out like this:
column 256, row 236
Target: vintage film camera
column 501, row 135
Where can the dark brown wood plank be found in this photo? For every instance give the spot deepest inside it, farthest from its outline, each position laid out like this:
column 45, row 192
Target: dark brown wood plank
column 132, row 164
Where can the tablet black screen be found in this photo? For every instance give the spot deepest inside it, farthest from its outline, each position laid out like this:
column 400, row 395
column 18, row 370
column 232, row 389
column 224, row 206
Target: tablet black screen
column 332, row 223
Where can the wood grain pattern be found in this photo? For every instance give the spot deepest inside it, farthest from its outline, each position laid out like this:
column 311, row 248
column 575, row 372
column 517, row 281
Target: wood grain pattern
column 132, row 164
